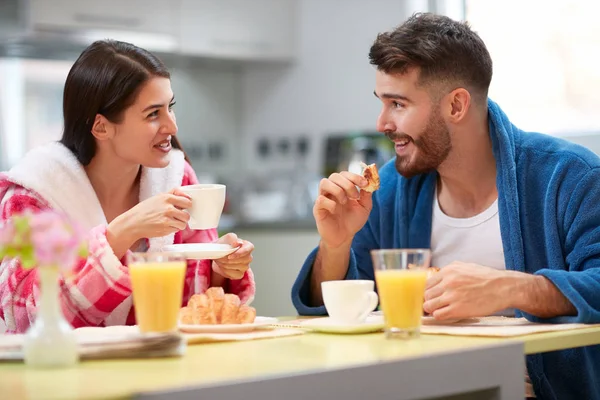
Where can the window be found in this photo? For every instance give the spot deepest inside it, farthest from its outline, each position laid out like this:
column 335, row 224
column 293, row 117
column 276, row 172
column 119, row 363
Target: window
column 30, row 105
column 546, row 56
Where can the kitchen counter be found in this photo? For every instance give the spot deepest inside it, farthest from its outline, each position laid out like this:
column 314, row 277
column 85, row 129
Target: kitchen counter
column 353, row 367
column 319, row 366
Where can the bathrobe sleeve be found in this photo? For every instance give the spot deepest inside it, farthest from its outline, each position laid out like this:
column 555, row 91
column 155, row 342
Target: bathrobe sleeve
column 580, row 283
column 359, row 267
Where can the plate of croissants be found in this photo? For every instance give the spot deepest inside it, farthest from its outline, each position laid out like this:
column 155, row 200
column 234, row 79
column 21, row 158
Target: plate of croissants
column 217, row 312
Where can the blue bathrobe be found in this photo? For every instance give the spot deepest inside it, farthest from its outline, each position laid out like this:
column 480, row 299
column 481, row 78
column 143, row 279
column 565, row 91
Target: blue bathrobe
column 549, row 207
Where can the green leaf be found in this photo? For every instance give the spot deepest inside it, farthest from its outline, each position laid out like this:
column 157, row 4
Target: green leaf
column 83, row 250
column 27, row 263
column 21, row 224
column 27, row 257
column 12, row 252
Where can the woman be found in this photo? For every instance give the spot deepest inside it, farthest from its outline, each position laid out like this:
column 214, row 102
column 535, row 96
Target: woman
column 115, row 171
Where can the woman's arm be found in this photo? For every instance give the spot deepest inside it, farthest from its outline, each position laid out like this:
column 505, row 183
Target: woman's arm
column 91, row 294
column 201, row 274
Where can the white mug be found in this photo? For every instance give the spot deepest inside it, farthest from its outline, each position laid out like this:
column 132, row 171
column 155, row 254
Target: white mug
column 208, row 201
column 349, row 301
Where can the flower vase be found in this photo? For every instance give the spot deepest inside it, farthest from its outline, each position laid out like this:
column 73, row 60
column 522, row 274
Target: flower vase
column 50, row 341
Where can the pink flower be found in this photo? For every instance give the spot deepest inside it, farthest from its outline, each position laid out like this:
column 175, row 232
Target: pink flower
column 44, row 239
column 7, row 233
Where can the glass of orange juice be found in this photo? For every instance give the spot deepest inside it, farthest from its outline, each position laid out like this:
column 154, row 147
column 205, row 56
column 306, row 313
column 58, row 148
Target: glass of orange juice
column 400, row 275
column 157, row 284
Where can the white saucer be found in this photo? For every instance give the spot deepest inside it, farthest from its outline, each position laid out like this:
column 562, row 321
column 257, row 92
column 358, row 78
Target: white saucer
column 326, row 325
column 201, row 251
column 228, row 328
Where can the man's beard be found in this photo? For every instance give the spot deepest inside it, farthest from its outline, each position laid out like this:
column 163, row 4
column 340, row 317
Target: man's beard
column 432, row 148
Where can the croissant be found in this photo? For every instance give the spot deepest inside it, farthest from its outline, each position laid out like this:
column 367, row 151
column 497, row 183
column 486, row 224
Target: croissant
column 431, row 271
column 371, row 174
column 231, row 305
column 216, row 307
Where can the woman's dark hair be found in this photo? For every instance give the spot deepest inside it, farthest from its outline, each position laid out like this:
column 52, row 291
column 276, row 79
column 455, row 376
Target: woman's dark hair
column 105, row 79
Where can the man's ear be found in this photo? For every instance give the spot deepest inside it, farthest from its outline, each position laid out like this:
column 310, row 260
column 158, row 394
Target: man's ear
column 102, row 128
column 457, row 105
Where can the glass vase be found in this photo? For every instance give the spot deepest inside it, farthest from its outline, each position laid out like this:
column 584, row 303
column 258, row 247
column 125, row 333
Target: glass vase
column 50, row 342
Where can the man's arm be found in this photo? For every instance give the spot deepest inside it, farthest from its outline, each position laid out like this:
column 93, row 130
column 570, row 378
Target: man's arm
column 465, row 290
column 330, row 264
column 536, row 295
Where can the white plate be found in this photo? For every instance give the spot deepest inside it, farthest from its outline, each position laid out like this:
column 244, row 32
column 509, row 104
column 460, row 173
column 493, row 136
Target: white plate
column 429, row 320
column 228, row 328
column 326, row 325
column 201, row 251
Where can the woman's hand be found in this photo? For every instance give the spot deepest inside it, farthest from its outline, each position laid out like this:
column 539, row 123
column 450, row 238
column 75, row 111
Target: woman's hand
column 235, row 265
column 157, row 216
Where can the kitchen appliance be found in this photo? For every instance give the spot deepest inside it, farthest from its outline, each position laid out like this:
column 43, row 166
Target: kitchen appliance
column 288, row 191
column 346, row 151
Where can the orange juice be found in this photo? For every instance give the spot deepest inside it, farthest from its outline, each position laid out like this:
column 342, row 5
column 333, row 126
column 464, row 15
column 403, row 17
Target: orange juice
column 157, row 294
column 401, row 296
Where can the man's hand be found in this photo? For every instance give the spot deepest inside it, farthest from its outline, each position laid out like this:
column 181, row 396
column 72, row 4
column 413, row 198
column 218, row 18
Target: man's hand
column 340, row 209
column 462, row 290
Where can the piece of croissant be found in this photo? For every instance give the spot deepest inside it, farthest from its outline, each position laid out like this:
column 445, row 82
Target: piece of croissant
column 215, row 291
column 246, row 314
column 186, row 316
column 196, row 300
column 231, row 305
column 431, row 271
column 371, row 174
column 202, row 310
column 216, row 307
column 216, row 297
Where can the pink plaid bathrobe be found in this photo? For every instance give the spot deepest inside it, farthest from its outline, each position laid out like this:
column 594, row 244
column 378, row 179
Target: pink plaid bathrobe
column 99, row 291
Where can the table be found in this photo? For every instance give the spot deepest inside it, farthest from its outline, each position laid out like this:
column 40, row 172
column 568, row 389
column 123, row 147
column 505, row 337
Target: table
column 307, row 366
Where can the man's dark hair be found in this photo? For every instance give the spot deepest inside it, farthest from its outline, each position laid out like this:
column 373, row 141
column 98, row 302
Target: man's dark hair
column 445, row 51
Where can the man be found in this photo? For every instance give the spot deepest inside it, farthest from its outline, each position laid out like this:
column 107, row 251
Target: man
column 513, row 218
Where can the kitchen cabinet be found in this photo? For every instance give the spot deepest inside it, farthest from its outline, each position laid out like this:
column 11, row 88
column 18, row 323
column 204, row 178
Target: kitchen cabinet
column 144, row 16
column 238, row 29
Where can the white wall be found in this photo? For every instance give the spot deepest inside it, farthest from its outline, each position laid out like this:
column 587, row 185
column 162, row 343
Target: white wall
column 278, row 256
column 591, row 141
column 330, row 86
column 208, row 111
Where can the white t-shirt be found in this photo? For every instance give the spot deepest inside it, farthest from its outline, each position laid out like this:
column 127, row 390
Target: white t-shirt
column 476, row 240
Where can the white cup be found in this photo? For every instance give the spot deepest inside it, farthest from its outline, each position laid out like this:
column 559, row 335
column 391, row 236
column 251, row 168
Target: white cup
column 349, row 301
column 208, row 201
